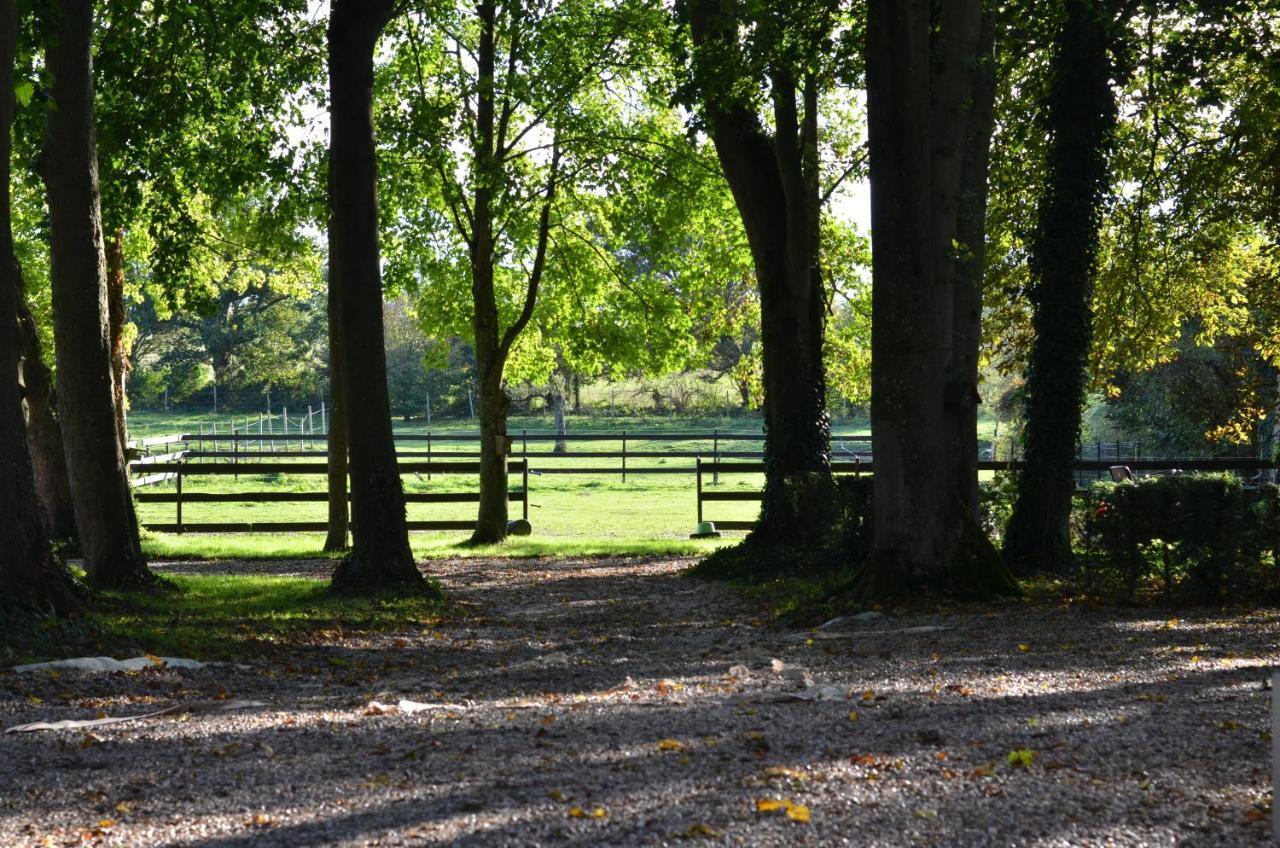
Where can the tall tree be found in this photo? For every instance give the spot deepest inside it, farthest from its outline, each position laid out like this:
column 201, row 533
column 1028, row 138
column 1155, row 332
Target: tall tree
column 30, row 576
column 539, row 126
column 1080, row 119
column 380, row 554
column 95, row 458
column 928, row 102
column 772, row 166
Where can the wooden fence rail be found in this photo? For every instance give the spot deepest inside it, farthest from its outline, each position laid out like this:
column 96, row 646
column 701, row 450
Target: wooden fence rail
column 186, row 470
column 1242, row 464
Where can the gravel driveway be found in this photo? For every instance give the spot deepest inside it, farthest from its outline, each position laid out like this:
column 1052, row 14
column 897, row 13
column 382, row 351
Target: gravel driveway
column 614, row 702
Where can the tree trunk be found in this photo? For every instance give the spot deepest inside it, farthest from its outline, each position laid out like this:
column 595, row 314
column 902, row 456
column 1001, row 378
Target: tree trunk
column 971, row 229
column 95, row 461
column 380, row 554
column 491, row 517
column 561, row 386
column 926, row 105
column 115, row 333
column 44, row 432
column 774, row 180
column 339, row 517
column 30, row 576
column 577, row 394
column 1080, row 120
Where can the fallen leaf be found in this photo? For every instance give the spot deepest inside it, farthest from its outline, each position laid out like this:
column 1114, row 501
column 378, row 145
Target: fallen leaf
column 1023, row 647
column 700, row 831
column 1021, row 758
column 669, row 745
column 853, row 715
column 798, row 813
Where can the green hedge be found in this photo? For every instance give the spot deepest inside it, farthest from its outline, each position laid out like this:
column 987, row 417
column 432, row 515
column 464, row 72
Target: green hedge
column 1203, row 537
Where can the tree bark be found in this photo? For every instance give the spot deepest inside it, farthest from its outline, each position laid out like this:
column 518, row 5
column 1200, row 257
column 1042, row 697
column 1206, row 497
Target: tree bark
column 927, row 105
column 380, row 554
column 339, row 515
column 95, row 461
column 773, row 178
column 30, row 575
column 115, row 333
column 1080, row 121
column 44, row 432
column 971, row 231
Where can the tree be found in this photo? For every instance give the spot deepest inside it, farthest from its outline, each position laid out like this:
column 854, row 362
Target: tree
column 95, row 458
column 1080, row 119
column 523, row 223
column 380, row 554
column 928, row 101
column 29, row 574
column 773, row 170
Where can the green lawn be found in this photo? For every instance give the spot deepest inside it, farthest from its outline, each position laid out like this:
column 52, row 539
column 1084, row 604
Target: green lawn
column 221, row 617
column 578, row 513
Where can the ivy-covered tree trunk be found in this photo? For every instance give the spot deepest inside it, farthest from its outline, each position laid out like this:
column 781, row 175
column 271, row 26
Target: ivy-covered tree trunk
column 95, row 461
column 774, row 180
column 927, row 134
column 44, row 433
column 1080, row 122
column 339, row 516
column 30, row 576
column 380, row 555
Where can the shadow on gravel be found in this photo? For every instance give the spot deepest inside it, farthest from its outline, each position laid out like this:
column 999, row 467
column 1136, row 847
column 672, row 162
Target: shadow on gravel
column 1139, row 731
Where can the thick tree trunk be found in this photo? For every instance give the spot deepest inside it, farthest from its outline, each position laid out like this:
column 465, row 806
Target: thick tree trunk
column 339, row 517
column 380, row 554
column 928, row 107
column 773, row 178
column 962, row 399
column 99, row 481
column 30, row 576
column 1080, row 120
column 115, row 333
column 44, row 433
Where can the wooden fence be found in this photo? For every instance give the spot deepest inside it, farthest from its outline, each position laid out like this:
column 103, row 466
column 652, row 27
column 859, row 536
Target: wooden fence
column 1243, row 464
column 186, row 470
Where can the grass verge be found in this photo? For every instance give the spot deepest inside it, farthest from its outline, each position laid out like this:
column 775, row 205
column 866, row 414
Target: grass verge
column 215, row 617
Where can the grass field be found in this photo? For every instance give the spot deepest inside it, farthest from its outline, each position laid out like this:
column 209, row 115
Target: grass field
column 572, row 513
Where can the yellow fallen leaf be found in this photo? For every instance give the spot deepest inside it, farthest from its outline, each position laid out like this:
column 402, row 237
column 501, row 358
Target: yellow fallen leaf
column 798, row 813
column 669, row 745
column 124, row 807
column 700, row 830
column 771, row 805
column 868, row 695
column 599, row 813
column 106, row 824
column 853, row 715
column 555, row 795
column 1024, row 647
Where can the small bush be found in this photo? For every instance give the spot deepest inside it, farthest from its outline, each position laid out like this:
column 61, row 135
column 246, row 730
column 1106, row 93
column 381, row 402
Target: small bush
column 1205, row 538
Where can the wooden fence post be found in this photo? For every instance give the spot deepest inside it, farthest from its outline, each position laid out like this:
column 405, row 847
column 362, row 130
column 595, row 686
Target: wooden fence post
column 178, row 499
column 698, row 468
column 428, row 454
column 624, row 456
column 715, row 455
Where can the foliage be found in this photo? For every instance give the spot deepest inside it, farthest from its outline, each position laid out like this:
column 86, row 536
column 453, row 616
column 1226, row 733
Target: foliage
column 1206, row 538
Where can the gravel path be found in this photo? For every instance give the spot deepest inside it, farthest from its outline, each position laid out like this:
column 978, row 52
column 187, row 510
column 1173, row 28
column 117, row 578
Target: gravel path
column 612, row 701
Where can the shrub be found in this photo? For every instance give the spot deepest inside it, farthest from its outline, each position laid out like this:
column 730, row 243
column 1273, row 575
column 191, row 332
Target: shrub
column 1202, row 537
